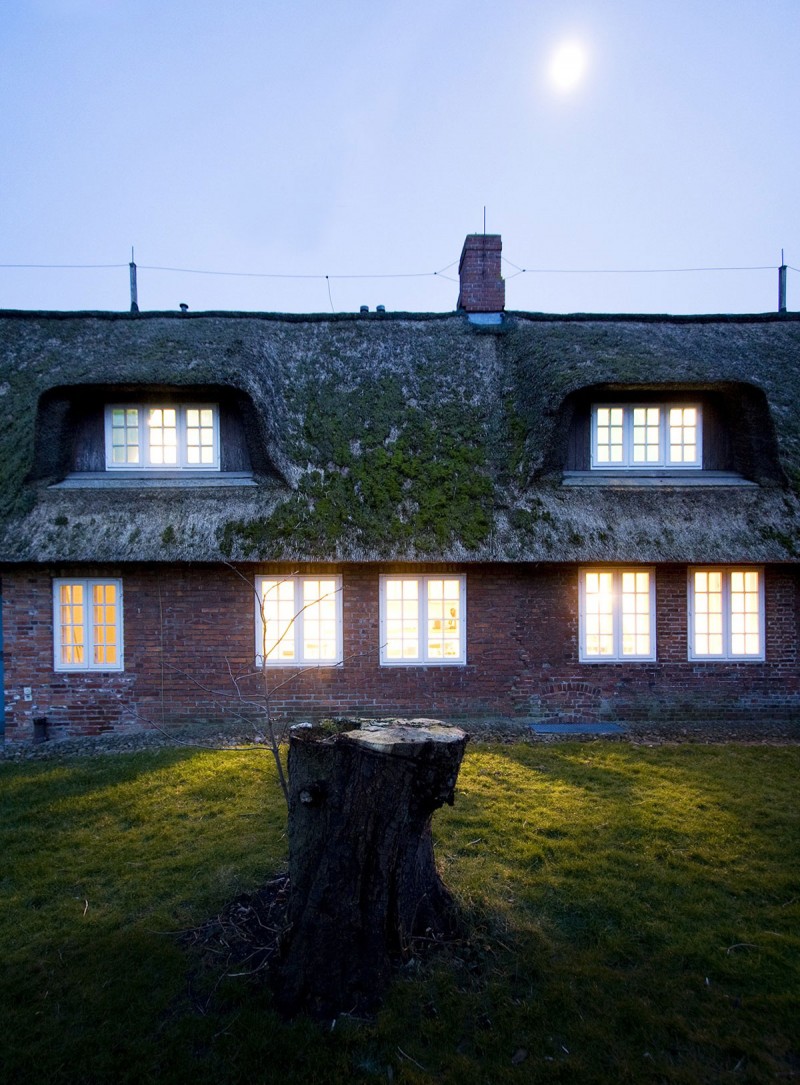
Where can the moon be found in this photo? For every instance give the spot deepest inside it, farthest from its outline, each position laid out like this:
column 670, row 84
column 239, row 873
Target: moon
column 567, row 66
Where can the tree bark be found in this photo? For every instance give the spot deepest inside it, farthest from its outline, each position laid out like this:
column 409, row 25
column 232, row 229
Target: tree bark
column 363, row 881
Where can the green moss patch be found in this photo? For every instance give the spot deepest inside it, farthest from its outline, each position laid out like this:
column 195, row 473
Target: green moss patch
column 382, row 478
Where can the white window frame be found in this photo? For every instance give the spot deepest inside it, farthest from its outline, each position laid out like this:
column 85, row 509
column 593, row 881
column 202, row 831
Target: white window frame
column 424, row 658
column 145, row 464
column 616, row 656
column 88, row 625
column 628, row 463
column 296, row 631
column 727, row 653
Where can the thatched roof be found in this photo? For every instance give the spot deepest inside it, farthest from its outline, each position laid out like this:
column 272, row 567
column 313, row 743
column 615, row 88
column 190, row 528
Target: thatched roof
column 399, row 437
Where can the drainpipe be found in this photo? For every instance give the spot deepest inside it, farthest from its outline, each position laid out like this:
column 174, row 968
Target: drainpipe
column 2, row 673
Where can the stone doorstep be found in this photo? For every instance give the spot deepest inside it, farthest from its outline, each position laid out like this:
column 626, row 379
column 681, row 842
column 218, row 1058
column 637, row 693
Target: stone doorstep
column 578, row 729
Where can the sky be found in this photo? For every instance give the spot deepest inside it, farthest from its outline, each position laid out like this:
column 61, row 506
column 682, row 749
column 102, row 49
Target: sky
column 328, row 155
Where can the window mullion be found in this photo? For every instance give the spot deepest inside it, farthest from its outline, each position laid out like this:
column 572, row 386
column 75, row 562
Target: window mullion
column 616, row 611
column 422, row 619
column 88, row 621
column 144, row 434
column 727, row 615
column 180, row 435
column 627, row 436
column 299, row 653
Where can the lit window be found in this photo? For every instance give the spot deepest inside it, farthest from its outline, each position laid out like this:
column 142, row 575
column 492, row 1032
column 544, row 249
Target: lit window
column 642, row 436
column 608, row 435
column 124, row 448
column 423, row 620
column 87, row 625
column 162, row 438
column 299, row 620
column 726, row 614
column 617, row 615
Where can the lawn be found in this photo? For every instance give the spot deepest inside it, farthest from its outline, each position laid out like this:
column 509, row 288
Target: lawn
column 634, row 916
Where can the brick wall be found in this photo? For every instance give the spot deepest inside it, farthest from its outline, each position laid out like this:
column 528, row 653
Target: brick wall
column 188, row 629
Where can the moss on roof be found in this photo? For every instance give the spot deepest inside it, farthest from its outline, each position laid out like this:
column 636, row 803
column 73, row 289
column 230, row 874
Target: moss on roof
column 396, row 437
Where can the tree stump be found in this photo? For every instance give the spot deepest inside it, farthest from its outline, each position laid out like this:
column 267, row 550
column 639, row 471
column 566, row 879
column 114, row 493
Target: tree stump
column 363, row 881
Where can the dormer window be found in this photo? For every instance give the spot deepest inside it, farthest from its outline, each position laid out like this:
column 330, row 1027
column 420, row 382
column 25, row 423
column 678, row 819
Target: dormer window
column 183, row 437
column 640, row 436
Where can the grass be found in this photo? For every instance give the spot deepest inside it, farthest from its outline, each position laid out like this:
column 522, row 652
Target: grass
column 634, row 915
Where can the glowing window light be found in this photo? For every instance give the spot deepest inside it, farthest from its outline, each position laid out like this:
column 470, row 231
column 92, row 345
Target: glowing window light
column 422, row 619
column 87, row 625
column 299, row 621
column 159, row 437
column 646, row 435
column 727, row 614
column 609, row 448
column 683, row 435
column 616, row 615
column 641, row 436
column 162, row 436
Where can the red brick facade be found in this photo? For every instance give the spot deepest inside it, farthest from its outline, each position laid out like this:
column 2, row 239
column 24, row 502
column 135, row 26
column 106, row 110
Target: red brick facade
column 187, row 628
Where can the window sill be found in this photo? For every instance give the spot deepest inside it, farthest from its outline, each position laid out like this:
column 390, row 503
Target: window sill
column 426, row 663
column 152, row 480
column 655, row 478
column 300, row 664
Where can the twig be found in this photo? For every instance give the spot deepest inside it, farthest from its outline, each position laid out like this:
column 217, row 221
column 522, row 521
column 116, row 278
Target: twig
column 419, row 1066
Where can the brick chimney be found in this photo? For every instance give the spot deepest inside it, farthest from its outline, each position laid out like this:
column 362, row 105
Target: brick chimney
column 482, row 289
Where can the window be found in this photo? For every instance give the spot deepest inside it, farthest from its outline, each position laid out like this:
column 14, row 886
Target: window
column 726, row 614
column 617, row 615
column 299, row 620
column 162, row 438
column 641, row 436
column 87, row 625
column 423, row 619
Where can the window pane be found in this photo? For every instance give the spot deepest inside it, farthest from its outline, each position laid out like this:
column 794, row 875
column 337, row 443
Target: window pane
column 401, row 631
column 444, row 609
column 318, row 620
column 635, row 610
column 124, row 435
column 104, row 624
column 745, row 614
column 599, row 621
column 162, row 436
column 200, row 436
column 646, row 435
column 707, row 613
column 278, row 617
column 71, row 623
column 609, row 435
column 683, row 435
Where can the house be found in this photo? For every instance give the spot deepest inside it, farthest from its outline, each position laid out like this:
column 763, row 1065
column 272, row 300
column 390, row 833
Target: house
column 471, row 514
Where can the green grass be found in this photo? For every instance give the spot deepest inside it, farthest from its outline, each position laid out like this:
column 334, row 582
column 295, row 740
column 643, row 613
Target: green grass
column 634, row 916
